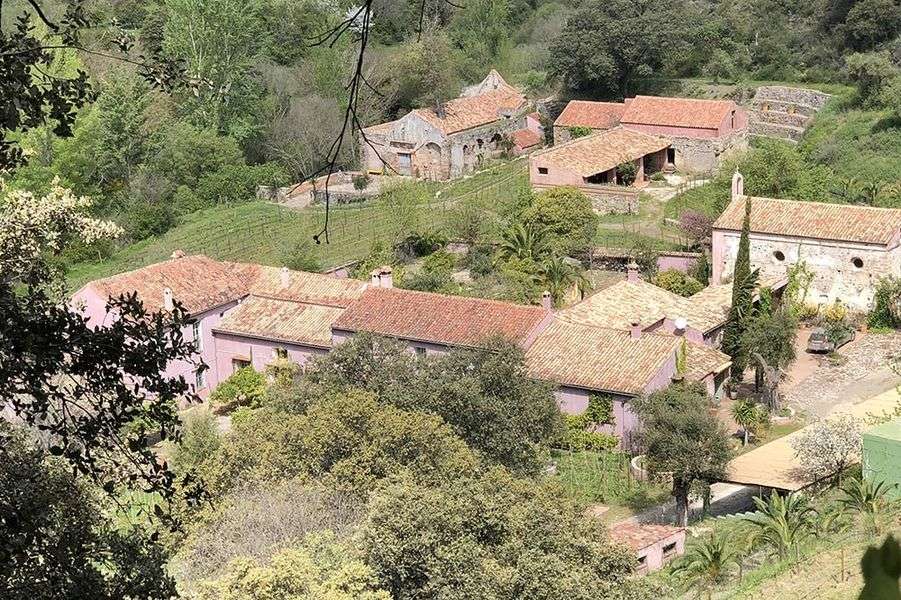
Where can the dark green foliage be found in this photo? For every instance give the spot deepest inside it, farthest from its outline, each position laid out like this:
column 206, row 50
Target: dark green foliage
column 627, row 172
column 300, row 255
column 579, row 131
column 55, row 539
column 743, row 283
column 422, row 243
column 677, row 282
column 579, row 434
column 238, row 183
column 489, row 536
column 886, row 311
column 871, row 72
column 245, row 387
column 680, row 436
column 881, row 568
column 479, row 260
column 566, row 216
column 484, row 395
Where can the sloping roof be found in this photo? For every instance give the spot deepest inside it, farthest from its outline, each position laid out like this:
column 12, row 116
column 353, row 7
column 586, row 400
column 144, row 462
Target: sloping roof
column 525, row 138
column 618, row 305
column 599, row 358
column 597, row 115
column 282, row 320
column 816, row 220
column 437, row 318
column 198, row 282
column 601, row 151
column 379, row 128
column 677, row 112
column 467, row 112
column 605, row 359
column 312, row 288
column 639, row 536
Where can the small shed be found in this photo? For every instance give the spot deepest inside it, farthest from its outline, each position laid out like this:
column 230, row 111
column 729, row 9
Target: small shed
column 882, row 455
column 654, row 545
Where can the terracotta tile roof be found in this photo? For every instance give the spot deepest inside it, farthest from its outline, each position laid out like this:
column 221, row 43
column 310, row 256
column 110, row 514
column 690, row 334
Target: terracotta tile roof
column 677, row 112
column 437, row 318
column 599, row 358
column 379, row 128
column 702, row 360
column 618, row 305
column 816, row 220
column 597, row 115
column 312, row 288
column 639, row 536
column 600, row 151
column 282, row 320
column 472, row 111
column 525, row 138
column 198, row 282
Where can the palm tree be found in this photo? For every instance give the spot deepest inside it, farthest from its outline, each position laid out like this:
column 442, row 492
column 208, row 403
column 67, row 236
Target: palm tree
column 520, row 241
column 707, row 562
column 868, row 499
column 559, row 276
column 782, row 523
column 748, row 415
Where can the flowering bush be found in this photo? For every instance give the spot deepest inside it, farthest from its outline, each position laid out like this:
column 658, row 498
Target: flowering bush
column 696, row 225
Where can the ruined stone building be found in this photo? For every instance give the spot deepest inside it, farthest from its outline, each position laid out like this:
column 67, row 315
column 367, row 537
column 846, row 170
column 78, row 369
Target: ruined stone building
column 452, row 139
column 847, row 248
column 701, row 132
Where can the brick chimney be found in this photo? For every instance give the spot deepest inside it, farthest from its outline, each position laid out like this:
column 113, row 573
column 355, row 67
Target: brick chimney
column 632, row 271
column 168, row 302
column 635, row 329
column 382, row 277
column 285, row 277
column 546, row 301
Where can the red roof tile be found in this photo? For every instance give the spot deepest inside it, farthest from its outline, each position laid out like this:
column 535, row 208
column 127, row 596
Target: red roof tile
column 282, row 320
column 467, row 112
column 312, row 288
column 677, row 112
column 639, row 536
column 437, row 318
column 197, row 282
column 815, row 220
column 525, row 138
column 597, row 115
column 600, row 151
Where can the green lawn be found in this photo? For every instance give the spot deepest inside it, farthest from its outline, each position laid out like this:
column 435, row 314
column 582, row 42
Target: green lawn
column 604, row 478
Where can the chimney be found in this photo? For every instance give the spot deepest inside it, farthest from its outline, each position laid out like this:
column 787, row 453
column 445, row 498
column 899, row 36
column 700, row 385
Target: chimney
column 680, row 325
column 635, row 329
column 738, row 185
column 285, row 276
column 386, row 278
column 632, row 271
column 178, row 254
column 546, row 301
column 168, row 302
column 375, row 278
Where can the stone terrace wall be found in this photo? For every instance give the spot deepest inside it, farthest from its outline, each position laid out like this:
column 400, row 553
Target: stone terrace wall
column 784, row 112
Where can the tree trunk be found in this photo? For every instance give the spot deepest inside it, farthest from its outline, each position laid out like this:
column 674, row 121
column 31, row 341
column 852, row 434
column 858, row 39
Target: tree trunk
column 744, row 430
column 680, row 493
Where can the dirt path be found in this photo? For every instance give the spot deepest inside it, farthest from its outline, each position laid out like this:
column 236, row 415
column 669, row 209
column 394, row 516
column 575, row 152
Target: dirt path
column 726, row 499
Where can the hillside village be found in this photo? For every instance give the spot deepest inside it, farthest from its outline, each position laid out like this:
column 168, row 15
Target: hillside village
column 474, row 309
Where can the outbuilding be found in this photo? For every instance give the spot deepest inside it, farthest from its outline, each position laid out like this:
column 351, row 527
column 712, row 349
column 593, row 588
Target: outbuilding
column 882, row 455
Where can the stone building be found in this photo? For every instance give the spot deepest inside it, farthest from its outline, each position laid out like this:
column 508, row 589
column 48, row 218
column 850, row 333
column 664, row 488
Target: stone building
column 591, row 164
column 784, row 112
column 847, row 248
column 453, row 138
column 701, row 132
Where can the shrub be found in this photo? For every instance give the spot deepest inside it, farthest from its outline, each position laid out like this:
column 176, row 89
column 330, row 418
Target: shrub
column 696, row 225
column 627, row 172
column 835, row 312
column 887, row 304
column 199, row 442
column 677, row 282
column 430, row 281
column 658, row 176
column 566, row 215
column 479, row 260
column 361, row 181
column 578, row 437
column 422, row 243
column 300, row 255
column 579, row 131
column 439, row 262
column 245, row 387
column 238, row 183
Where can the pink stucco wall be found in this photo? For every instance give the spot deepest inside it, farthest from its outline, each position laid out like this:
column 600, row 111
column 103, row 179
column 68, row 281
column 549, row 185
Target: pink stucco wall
column 93, row 306
column 259, row 352
column 679, row 262
column 725, row 127
column 653, row 555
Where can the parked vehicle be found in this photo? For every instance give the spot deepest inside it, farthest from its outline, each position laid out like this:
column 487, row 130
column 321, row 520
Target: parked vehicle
column 819, row 341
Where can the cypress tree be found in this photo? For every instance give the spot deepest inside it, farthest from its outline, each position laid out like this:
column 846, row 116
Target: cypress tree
column 743, row 284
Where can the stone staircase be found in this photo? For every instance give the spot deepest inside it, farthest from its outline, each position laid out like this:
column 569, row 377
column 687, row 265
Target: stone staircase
column 783, row 112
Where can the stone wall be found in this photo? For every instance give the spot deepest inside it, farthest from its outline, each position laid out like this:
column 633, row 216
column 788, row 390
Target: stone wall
column 842, row 271
column 699, row 155
column 784, row 112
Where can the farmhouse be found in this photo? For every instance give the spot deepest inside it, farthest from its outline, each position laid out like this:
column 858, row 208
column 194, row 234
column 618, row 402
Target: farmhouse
column 594, row 165
column 846, row 248
column 454, row 137
column 701, row 132
column 251, row 315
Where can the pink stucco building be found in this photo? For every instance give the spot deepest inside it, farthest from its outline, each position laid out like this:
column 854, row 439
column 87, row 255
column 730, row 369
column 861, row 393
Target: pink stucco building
column 701, row 132
column 654, row 545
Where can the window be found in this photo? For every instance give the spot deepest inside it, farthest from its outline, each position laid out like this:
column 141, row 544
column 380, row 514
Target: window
column 420, row 351
column 542, row 170
column 198, row 336
column 779, row 255
column 199, row 379
column 279, row 353
column 857, row 262
column 669, row 550
column 239, row 363
column 642, row 563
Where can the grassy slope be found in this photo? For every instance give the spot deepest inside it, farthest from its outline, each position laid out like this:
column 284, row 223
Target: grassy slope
column 260, row 231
